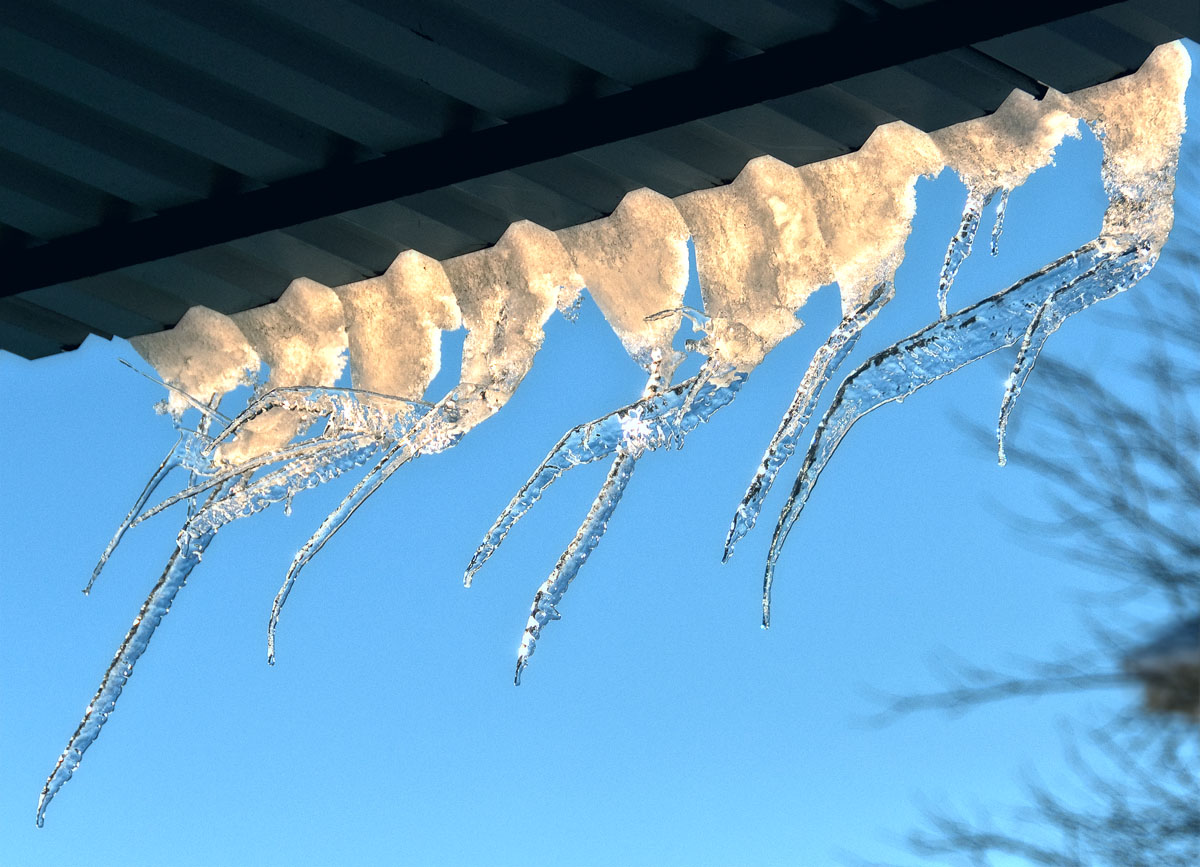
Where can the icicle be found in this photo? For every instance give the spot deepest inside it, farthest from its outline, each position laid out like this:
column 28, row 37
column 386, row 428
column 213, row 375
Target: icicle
column 1079, row 279
column 961, row 243
column 1016, row 379
column 437, row 431
column 197, row 469
column 368, row 485
column 636, row 436
column 998, row 226
column 660, row 425
column 328, row 462
column 179, row 567
column 550, row 594
column 346, row 408
column 825, row 361
column 186, row 452
column 309, row 450
column 170, row 462
column 1050, row 316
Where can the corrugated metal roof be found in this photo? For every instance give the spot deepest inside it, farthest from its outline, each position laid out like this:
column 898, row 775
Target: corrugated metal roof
column 157, row 155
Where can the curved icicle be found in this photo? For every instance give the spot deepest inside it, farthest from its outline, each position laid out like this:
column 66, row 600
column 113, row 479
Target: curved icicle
column 550, row 594
column 157, row 604
column 436, row 431
column 825, row 361
column 183, row 453
column 635, row 438
column 290, row 453
column 659, row 417
column 356, row 427
column 1078, row 279
column 170, row 462
column 368, row 485
column 961, row 243
column 580, row 445
column 1020, row 373
column 1058, row 307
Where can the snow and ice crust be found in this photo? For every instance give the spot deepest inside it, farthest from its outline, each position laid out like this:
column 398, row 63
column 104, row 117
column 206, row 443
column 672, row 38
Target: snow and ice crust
column 763, row 244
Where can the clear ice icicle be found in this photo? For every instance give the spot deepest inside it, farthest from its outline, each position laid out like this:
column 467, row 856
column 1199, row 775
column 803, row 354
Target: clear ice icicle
column 1050, row 316
column 310, row 450
column 198, row 466
column 1078, row 279
column 157, row 604
column 186, row 452
column 280, row 485
column 660, row 422
column 550, row 594
column 998, row 225
column 366, row 486
column 636, row 437
column 961, row 243
column 825, row 361
column 170, row 462
column 436, row 431
column 1020, row 373
column 347, row 409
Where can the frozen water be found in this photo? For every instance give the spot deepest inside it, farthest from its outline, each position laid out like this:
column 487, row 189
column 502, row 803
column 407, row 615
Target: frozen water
column 998, row 225
column 156, row 606
column 1074, row 282
column 764, row 243
column 960, row 244
column 825, row 362
column 660, row 421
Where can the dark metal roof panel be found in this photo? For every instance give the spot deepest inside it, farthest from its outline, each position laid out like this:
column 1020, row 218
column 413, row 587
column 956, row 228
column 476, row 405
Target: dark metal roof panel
column 115, row 111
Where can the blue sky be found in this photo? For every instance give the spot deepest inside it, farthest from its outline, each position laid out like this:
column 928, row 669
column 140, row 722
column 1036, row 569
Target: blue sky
column 657, row 724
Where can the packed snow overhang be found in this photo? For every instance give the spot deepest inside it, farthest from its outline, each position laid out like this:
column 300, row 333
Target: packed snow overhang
column 160, row 156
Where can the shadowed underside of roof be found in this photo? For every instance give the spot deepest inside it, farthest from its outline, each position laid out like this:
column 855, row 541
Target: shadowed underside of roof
column 155, row 156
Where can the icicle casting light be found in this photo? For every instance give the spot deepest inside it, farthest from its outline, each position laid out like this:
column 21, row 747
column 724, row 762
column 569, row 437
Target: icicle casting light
column 763, row 243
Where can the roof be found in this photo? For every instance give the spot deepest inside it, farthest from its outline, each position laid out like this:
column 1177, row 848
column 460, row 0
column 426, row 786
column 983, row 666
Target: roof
column 155, row 155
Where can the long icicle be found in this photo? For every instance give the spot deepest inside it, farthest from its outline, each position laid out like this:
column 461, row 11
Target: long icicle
column 825, row 361
column 633, row 443
column 660, row 416
column 435, row 432
column 279, row 487
column 941, row 349
column 1055, row 310
column 352, row 405
column 170, row 462
column 1018, row 376
column 184, row 452
column 157, row 604
column 550, row 594
column 206, row 420
column 367, row 486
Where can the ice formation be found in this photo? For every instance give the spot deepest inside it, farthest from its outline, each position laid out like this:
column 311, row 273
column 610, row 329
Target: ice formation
column 763, row 243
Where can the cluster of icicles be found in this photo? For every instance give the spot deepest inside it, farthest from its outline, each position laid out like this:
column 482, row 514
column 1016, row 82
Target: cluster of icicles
column 763, row 244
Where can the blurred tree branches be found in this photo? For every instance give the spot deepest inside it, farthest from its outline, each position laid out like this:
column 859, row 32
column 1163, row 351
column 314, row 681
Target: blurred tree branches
column 1119, row 448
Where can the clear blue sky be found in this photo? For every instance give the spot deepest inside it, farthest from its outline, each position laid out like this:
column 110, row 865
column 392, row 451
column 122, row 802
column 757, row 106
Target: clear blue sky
column 657, row 724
